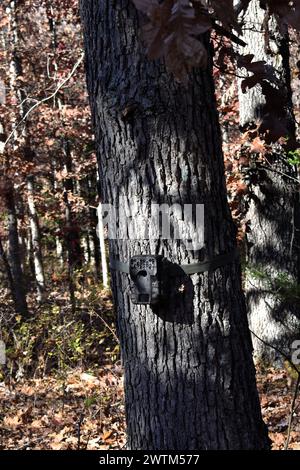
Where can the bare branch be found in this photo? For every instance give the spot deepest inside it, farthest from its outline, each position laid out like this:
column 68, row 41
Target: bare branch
column 44, row 100
column 293, row 409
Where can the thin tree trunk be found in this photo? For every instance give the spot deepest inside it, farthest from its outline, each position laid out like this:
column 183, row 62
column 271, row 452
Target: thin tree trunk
column 273, row 211
column 86, row 249
column 59, row 250
column 90, row 242
column 58, row 244
column 35, row 239
column 94, row 242
column 7, row 271
column 19, row 302
column 68, row 239
column 92, row 193
column 189, row 375
column 100, row 231
column 16, row 71
column 72, row 236
column 14, row 252
column 72, row 228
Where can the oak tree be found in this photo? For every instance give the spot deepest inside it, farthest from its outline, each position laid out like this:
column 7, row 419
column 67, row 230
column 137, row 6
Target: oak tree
column 189, row 375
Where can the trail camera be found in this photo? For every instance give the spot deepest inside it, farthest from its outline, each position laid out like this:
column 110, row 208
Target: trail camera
column 155, row 280
column 146, row 279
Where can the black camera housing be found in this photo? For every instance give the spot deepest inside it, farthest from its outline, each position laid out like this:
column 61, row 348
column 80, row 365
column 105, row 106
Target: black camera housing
column 147, row 284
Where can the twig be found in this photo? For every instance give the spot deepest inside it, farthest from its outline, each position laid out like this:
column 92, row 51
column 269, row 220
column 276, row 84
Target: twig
column 88, row 440
column 295, row 391
column 292, row 413
column 270, row 168
column 86, row 307
column 110, row 329
column 278, row 350
column 219, row 29
column 81, row 418
column 38, row 103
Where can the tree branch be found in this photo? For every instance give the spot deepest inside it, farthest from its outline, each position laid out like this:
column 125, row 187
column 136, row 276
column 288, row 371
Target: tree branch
column 286, row 357
column 292, row 413
column 38, row 103
column 219, row 29
column 295, row 391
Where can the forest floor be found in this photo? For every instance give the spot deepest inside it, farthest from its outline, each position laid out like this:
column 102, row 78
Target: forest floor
column 79, row 411
column 84, row 410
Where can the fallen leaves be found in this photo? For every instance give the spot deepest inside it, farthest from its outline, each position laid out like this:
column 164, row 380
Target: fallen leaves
column 48, row 414
column 83, row 411
column 257, row 145
column 276, row 396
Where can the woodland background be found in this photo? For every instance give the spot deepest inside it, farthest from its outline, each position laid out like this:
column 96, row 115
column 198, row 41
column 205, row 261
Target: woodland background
column 61, row 386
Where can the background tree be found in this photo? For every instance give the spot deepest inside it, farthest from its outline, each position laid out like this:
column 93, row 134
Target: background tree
column 266, row 114
column 40, row 139
column 47, row 152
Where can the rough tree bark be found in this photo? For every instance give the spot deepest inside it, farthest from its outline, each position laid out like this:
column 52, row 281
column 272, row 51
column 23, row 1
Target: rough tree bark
column 189, row 375
column 273, row 211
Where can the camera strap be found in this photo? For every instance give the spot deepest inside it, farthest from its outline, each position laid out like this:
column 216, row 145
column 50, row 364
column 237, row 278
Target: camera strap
column 193, row 268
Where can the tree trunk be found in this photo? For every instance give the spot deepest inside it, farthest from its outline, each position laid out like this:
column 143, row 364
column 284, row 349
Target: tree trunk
column 189, row 375
column 59, row 250
column 55, row 187
column 72, row 227
column 92, row 196
column 13, row 268
column 21, row 136
column 85, row 242
column 7, row 271
column 72, row 234
column 94, row 242
column 35, row 240
column 14, row 252
column 273, row 228
column 90, row 242
column 104, row 267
